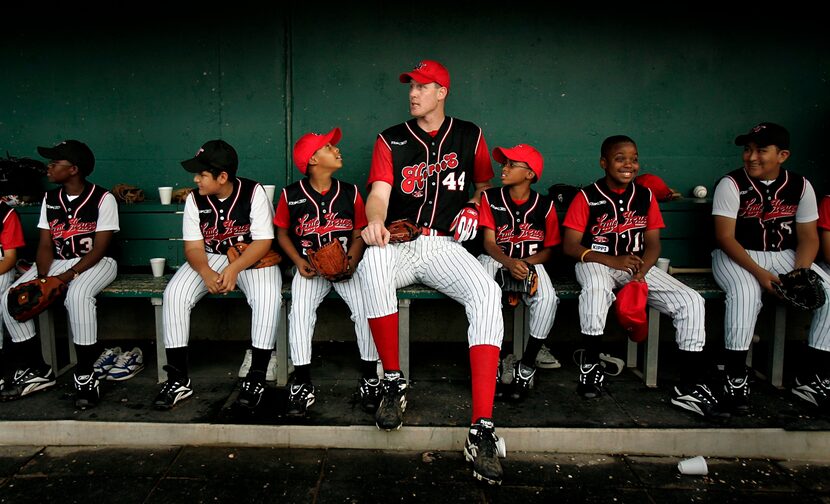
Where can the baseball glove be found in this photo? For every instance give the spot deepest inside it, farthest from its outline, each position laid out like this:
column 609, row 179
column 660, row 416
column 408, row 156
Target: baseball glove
column 802, row 288
column 514, row 289
column 272, row 258
column 30, row 298
column 403, row 230
column 331, row 262
column 180, row 195
column 127, row 193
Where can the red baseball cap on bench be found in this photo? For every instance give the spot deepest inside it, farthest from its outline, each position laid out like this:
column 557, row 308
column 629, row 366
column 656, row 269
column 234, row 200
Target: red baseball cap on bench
column 310, row 143
column 630, row 307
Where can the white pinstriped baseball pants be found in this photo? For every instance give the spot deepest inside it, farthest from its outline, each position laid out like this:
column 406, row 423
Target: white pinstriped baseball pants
column 80, row 300
column 5, row 282
column 743, row 297
column 262, row 288
column 443, row 264
column 666, row 294
column 542, row 305
column 306, row 296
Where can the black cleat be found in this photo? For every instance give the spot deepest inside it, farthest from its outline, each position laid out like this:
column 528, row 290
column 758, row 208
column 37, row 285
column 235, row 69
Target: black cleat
column 370, row 391
column 815, row 391
column 736, row 393
column 173, row 391
column 523, row 380
column 250, row 393
column 27, row 381
column 591, row 380
column 300, row 398
column 87, row 391
column 698, row 399
column 389, row 415
column 482, row 449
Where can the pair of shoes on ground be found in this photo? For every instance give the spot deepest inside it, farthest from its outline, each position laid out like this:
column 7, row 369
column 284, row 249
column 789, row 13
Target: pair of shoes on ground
column 301, row 396
column 514, row 378
column 271, row 371
column 113, row 364
column 27, row 381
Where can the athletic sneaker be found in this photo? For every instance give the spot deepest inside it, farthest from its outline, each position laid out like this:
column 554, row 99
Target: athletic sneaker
column 250, row 393
column 508, row 369
column 27, row 381
column 128, row 365
column 546, row 360
column 300, row 398
column 87, row 392
column 370, row 391
column 591, row 380
column 736, row 393
column 698, row 399
column 389, row 415
column 816, row 391
column 106, row 361
column 270, row 372
column 612, row 366
column 482, row 449
column 523, row 381
column 172, row 392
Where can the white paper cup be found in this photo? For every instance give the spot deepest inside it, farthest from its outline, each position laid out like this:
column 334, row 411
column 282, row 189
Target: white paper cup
column 165, row 195
column 157, row 263
column 663, row 263
column 269, row 191
column 693, row 466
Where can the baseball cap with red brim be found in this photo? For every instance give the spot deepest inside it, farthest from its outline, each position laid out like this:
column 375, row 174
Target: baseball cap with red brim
column 630, row 307
column 310, row 143
column 428, row 71
column 656, row 184
column 524, row 153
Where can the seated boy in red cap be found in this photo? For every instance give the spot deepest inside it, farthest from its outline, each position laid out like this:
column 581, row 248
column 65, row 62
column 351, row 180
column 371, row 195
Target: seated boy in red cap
column 613, row 229
column 520, row 230
column 311, row 213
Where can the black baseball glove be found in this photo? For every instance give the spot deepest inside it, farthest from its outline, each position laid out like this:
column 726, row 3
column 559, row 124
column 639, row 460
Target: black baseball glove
column 802, row 288
column 514, row 288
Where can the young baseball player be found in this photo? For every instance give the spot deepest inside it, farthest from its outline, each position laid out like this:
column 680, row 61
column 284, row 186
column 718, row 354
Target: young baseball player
column 11, row 239
column 311, row 213
column 765, row 226
column 824, row 233
column 520, row 229
column 77, row 221
column 423, row 170
column 612, row 228
column 223, row 211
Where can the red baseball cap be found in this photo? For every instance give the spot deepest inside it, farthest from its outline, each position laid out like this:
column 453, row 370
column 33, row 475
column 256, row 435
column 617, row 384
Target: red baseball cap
column 310, row 143
column 658, row 187
column 524, row 153
column 428, row 71
column 630, row 307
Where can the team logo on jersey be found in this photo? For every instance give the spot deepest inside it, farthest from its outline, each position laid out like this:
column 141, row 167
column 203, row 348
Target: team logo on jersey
column 606, row 225
column 211, row 233
column 290, row 203
column 206, row 210
column 596, row 203
column 778, row 209
column 307, row 225
column 306, row 243
column 500, row 209
column 396, row 142
column 415, row 176
column 600, row 239
column 525, row 233
column 73, row 228
column 53, row 207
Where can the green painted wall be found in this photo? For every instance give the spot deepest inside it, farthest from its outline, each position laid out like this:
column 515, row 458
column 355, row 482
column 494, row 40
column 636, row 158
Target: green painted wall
column 145, row 93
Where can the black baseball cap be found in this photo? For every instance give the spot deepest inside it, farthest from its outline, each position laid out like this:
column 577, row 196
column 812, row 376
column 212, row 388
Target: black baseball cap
column 215, row 154
column 766, row 133
column 78, row 153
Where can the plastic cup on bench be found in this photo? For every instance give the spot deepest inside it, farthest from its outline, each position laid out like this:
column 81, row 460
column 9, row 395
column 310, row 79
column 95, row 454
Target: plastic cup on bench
column 157, row 264
column 165, row 195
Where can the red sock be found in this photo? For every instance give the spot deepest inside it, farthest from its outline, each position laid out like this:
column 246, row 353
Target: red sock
column 484, row 363
column 385, row 334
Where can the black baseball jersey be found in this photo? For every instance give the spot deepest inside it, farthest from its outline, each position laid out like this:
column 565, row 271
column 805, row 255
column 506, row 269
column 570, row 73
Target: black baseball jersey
column 617, row 222
column 520, row 229
column 224, row 223
column 432, row 174
column 73, row 224
column 315, row 219
column 766, row 215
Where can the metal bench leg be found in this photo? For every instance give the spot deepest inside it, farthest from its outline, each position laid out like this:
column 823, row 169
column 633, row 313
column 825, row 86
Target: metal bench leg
column 776, row 372
column 631, row 358
column 282, row 345
column 652, row 347
column 403, row 336
column 520, row 329
column 161, row 355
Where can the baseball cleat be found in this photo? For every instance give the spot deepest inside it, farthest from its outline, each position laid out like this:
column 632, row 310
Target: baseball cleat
column 698, row 399
column 591, row 380
column 525, row 377
column 389, row 415
column 27, row 381
column 250, row 393
column 483, row 448
column 87, row 391
column 173, row 391
column 736, row 393
column 127, row 365
column 370, row 391
column 300, row 398
column 816, row 391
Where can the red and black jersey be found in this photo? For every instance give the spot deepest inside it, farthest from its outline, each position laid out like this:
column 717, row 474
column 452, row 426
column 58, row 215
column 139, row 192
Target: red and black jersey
column 824, row 213
column 11, row 232
column 315, row 219
column 521, row 228
column 224, row 223
column 766, row 215
column 73, row 224
column 432, row 174
column 616, row 222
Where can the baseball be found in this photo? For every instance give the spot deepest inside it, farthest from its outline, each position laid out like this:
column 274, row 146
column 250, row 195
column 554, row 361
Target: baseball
column 700, row 192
